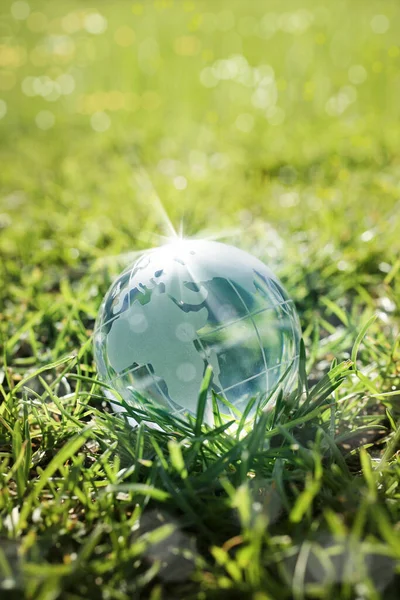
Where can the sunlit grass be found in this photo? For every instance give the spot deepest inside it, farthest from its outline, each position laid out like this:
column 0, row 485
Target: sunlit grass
column 125, row 124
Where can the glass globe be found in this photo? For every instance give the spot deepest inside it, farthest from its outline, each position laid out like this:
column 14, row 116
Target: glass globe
column 189, row 304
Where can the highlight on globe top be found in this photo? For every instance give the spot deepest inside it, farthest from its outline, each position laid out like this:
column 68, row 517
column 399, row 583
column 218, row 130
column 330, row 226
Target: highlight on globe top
column 199, row 309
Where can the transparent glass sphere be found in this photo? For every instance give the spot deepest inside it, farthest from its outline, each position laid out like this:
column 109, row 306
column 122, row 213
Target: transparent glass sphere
column 189, row 304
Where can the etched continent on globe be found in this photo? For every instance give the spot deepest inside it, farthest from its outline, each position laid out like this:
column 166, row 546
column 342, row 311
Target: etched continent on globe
column 192, row 303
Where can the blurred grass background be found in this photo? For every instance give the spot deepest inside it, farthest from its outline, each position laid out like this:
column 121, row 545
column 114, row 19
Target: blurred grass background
column 288, row 113
column 275, row 122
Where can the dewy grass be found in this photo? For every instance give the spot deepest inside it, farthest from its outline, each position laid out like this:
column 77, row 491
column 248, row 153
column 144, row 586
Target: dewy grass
column 280, row 124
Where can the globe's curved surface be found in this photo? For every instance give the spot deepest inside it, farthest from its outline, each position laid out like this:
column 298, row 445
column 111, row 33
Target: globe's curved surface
column 192, row 303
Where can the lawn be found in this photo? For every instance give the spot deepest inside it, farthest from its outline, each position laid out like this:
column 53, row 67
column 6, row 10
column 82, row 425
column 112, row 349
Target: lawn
column 274, row 126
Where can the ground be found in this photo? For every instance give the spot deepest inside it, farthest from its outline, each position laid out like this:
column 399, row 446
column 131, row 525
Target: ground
column 276, row 126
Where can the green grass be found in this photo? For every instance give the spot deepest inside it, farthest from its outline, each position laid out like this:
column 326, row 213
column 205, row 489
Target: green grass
column 304, row 169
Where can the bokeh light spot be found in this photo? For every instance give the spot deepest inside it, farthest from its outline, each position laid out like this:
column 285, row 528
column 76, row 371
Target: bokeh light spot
column 297, row 22
column 186, row 372
column 12, row 56
column 289, row 199
column 138, row 323
column 115, row 100
column 380, row 24
column 137, row 8
column 45, row 120
column 337, row 104
column 20, row 10
column 367, row 236
column 268, row 25
column 124, row 36
column 71, row 22
column 357, row 74
column 320, row 39
column 100, row 121
column 377, row 66
column 95, row 23
column 187, row 45
column 180, row 182
column 66, row 83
